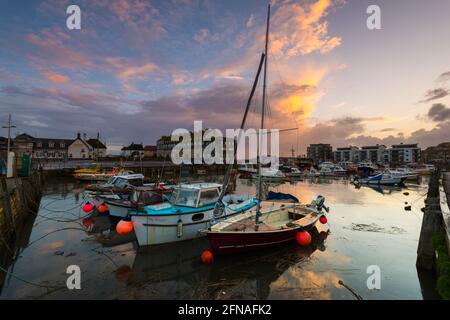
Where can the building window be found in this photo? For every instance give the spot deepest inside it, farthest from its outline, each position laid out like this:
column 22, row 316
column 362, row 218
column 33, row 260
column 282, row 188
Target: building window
column 51, row 144
column 62, row 145
column 39, row 144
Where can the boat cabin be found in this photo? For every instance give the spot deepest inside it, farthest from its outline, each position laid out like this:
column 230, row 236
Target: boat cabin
column 195, row 195
column 121, row 181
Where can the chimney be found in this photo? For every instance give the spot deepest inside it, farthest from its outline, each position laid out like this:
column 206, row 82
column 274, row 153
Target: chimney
column 84, row 136
column 78, row 135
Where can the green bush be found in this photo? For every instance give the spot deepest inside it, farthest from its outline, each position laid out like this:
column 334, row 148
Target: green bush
column 443, row 262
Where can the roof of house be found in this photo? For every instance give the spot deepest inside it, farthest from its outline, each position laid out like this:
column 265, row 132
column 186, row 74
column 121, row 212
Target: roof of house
column 134, row 147
column 96, row 144
column 24, row 136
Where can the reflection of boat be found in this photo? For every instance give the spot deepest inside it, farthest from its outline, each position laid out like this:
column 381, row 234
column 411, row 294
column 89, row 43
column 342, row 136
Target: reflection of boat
column 189, row 210
column 165, row 262
column 178, row 266
column 385, row 190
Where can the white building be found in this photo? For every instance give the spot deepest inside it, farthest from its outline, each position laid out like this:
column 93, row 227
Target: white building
column 375, row 154
column 82, row 148
column 404, row 153
column 347, row 154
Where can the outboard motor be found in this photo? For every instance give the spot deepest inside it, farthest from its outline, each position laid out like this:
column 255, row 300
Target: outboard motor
column 320, row 203
column 219, row 208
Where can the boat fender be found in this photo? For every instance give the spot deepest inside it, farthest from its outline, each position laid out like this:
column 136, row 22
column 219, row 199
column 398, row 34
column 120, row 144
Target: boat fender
column 179, row 228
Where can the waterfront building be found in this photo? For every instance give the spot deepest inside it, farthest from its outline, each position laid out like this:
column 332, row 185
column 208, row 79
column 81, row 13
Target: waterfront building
column 135, row 150
column 83, row 148
column 404, row 153
column 150, row 151
column 349, row 154
column 375, row 154
column 439, row 154
column 320, row 152
column 48, row 149
column 164, row 147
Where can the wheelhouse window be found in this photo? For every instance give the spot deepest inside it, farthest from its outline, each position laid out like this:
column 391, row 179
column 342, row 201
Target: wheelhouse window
column 184, row 197
column 120, row 183
column 208, row 197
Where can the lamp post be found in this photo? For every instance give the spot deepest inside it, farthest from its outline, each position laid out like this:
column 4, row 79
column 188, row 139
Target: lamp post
column 9, row 126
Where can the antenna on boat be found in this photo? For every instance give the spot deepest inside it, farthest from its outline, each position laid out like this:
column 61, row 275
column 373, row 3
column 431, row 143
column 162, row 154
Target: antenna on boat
column 258, row 206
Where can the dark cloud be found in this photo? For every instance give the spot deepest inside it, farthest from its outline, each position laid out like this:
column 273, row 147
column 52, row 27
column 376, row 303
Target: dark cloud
column 439, row 112
column 434, row 94
column 444, row 76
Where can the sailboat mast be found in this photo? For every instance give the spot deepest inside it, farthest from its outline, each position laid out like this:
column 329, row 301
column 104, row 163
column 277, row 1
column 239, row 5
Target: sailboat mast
column 258, row 208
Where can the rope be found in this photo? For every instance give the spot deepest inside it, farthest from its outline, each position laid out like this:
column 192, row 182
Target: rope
column 29, row 282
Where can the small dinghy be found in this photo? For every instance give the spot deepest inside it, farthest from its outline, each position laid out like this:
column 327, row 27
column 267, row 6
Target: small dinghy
column 277, row 223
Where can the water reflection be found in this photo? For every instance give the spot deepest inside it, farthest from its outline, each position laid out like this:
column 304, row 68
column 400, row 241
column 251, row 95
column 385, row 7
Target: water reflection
column 178, row 269
column 113, row 267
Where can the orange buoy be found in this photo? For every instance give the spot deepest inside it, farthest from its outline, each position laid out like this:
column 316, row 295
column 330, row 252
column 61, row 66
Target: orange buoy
column 102, row 208
column 303, row 238
column 207, row 257
column 124, row 227
column 88, row 207
column 323, row 219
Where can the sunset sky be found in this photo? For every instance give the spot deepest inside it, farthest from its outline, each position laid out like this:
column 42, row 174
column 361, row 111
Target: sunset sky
column 140, row 69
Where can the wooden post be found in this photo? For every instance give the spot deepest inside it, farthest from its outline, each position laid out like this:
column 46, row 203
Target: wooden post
column 431, row 225
column 6, row 207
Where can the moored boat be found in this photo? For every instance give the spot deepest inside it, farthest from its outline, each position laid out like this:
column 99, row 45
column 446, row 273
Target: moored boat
column 381, row 179
column 122, row 204
column 278, row 223
column 189, row 210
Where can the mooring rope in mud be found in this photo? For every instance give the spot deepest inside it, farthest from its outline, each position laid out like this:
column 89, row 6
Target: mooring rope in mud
column 29, row 282
column 351, row 290
column 54, row 231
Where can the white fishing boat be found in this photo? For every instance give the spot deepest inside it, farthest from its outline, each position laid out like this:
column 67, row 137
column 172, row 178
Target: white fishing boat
column 271, row 174
column 247, row 168
column 119, row 205
column 189, row 210
column 383, row 179
column 294, row 173
column 311, row 172
column 403, row 172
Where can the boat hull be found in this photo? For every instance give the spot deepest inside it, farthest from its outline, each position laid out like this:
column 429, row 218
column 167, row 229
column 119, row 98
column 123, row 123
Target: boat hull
column 159, row 229
column 237, row 242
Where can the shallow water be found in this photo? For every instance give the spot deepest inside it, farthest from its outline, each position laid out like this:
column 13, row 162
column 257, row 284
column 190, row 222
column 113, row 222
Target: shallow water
column 367, row 227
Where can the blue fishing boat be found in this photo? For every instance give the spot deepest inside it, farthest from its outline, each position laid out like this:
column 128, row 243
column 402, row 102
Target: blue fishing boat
column 189, row 210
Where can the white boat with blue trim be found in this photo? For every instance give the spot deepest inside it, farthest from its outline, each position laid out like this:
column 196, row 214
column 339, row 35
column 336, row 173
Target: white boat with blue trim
column 189, row 210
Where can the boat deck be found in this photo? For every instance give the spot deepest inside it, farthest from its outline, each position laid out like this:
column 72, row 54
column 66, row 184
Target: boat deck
column 294, row 219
